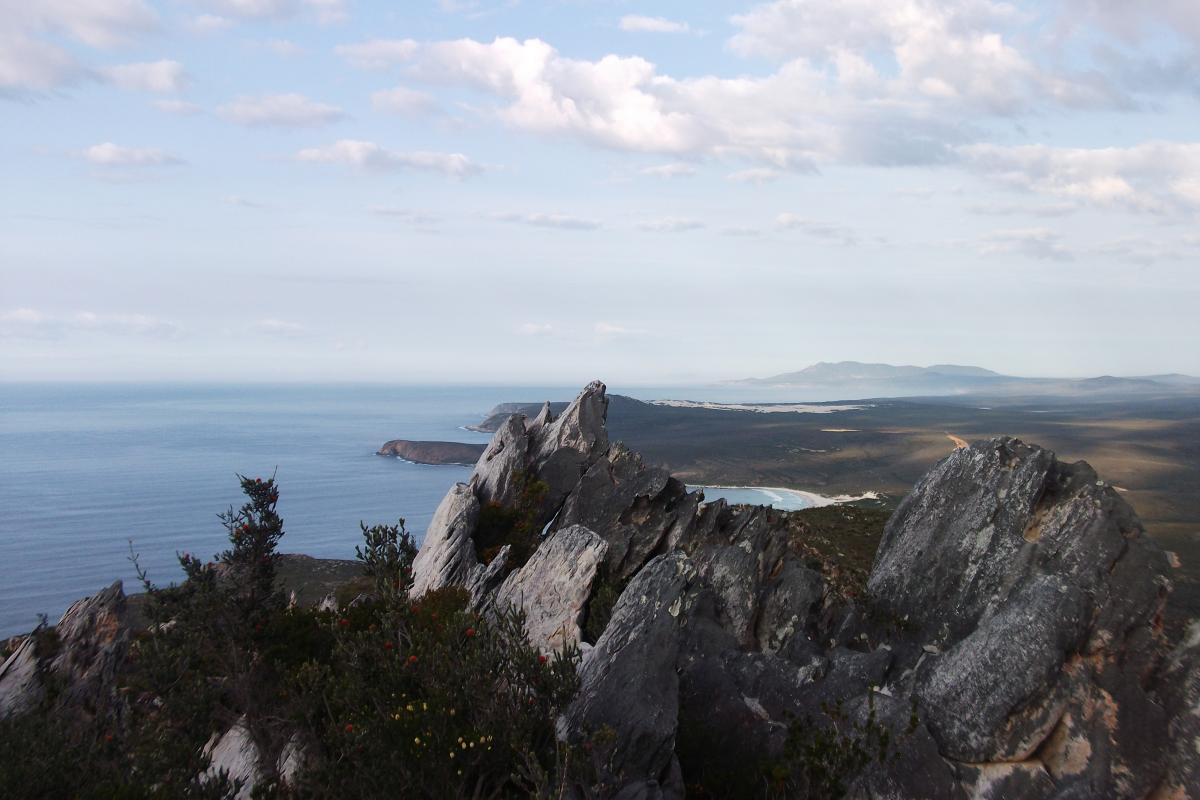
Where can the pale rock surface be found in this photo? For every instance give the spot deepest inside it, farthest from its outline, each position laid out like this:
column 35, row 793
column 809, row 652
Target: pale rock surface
column 554, row 586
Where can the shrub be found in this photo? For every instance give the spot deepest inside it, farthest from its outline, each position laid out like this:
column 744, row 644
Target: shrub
column 419, row 698
column 519, row 525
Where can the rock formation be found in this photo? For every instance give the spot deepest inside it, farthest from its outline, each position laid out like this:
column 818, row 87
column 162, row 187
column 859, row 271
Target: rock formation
column 1010, row 644
column 81, row 655
column 462, row 453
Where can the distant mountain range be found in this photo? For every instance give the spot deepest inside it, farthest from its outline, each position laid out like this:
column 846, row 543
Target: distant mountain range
column 854, row 379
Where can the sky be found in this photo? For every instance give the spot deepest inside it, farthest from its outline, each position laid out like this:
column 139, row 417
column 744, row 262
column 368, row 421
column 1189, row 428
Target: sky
column 646, row 192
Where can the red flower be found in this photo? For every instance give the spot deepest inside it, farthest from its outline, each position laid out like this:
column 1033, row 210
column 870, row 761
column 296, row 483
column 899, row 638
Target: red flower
column 542, row 659
column 349, row 728
column 470, row 631
column 388, row 645
column 412, row 659
column 108, row 737
column 345, row 623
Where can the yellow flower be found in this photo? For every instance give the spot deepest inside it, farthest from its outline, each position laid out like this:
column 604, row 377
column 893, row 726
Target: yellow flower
column 417, row 740
column 408, row 707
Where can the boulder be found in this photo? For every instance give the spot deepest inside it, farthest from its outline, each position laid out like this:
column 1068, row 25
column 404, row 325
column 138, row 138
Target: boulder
column 553, row 587
column 234, row 756
column 629, row 688
column 1032, row 599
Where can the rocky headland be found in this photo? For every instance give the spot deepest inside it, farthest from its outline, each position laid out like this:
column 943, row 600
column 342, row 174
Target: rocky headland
column 460, row 453
column 1007, row 640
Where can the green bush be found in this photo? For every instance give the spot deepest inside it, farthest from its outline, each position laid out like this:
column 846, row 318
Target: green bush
column 519, row 525
column 387, row 697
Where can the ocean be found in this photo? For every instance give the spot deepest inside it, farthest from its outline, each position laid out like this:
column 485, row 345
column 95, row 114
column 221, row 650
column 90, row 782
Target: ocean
column 86, row 471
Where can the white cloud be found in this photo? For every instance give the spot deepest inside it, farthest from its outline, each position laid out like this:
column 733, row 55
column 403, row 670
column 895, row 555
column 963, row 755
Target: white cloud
column 635, row 23
column 162, row 76
column 670, row 225
column 1039, row 243
column 674, row 170
column 820, row 230
column 112, row 155
column 180, row 107
column 378, row 53
column 279, row 327
column 790, row 120
column 1023, row 209
column 757, row 175
column 1157, row 177
column 32, row 323
column 209, row 23
column 241, row 202
column 406, row 214
column 740, row 230
column 402, row 100
column 284, row 48
column 535, row 329
column 323, row 10
column 543, row 220
column 24, row 315
column 944, row 51
column 32, row 56
column 96, row 23
column 285, row 110
column 609, row 330
column 28, row 64
column 370, row 156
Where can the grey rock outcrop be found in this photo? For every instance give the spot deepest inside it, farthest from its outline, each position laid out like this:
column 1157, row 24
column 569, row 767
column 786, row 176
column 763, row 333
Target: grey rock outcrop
column 1010, row 643
column 553, row 587
column 1181, row 694
column 554, row 451
column 85, row 649
column 447, row 555
column 1041, row 596
column 20, row 680
column 234, row 756
column 629, row 683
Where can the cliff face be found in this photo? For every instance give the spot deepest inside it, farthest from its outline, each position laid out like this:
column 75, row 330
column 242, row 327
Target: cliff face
column 1010, row 643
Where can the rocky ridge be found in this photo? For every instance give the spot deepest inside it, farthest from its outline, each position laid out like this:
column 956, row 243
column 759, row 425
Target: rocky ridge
column 1009, row 643
column 1010, row 640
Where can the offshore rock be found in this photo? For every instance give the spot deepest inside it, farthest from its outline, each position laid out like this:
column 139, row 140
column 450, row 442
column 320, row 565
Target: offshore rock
column 554, row 586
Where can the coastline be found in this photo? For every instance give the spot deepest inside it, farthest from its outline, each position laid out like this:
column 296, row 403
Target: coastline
column 813, row 499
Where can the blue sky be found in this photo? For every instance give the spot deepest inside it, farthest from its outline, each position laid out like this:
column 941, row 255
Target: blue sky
column 647, row 192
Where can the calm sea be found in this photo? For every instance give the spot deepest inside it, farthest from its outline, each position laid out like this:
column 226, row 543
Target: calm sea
column 86, row 469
